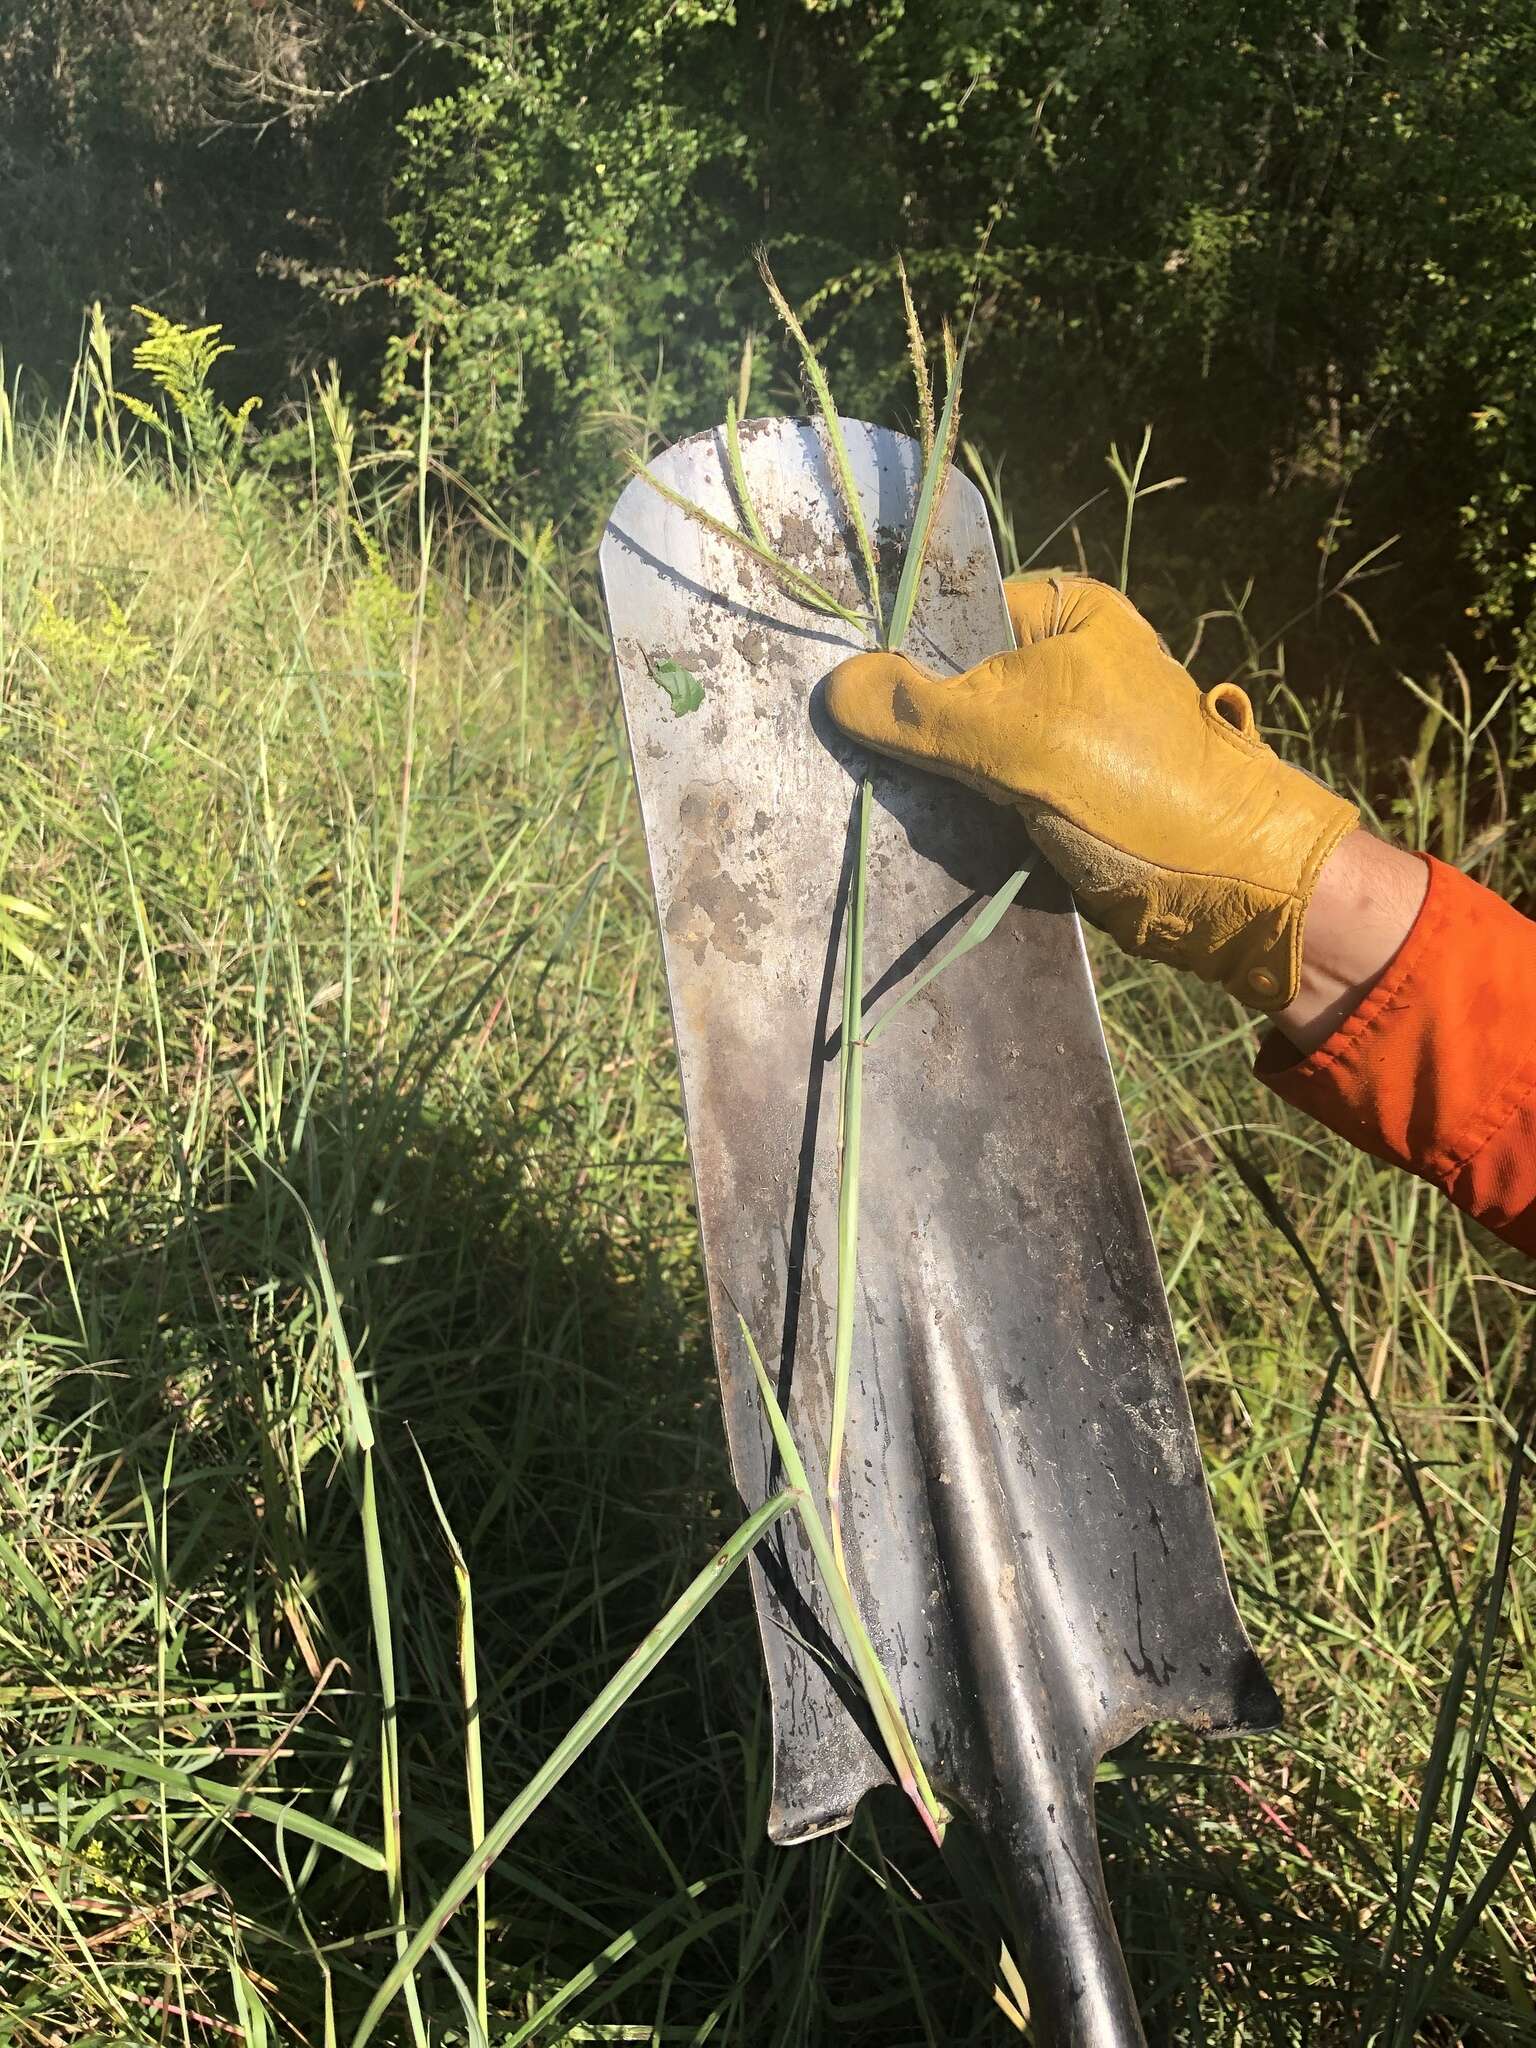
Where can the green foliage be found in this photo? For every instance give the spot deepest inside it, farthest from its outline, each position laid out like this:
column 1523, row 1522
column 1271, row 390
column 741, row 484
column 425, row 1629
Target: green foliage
column 377, row 605
column 1296, row 238
column 17, row 918
column 205, row 155
column 577, row 262
column 1338, row 260
column 101, row 646
column 283, row 1171
column 179, row 360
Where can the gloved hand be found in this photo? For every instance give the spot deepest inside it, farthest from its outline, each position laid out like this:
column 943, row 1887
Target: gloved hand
column 1175, row 826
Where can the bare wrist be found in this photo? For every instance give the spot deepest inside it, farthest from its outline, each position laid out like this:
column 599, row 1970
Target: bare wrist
column 1363, row 908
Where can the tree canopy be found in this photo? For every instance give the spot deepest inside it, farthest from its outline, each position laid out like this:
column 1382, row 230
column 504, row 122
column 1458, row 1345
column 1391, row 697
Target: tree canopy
column 1298, row 235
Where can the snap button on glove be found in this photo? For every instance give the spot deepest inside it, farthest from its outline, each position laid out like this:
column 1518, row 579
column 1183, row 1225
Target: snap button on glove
column 1176, row 827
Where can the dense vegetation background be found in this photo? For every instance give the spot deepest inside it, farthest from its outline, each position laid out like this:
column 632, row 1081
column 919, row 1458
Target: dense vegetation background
column 356, row 1414
column 1295, row 237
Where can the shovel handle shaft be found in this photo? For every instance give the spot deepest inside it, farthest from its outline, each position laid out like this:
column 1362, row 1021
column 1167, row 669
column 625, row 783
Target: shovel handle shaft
column 1021, row 1670
column 1064, row 1933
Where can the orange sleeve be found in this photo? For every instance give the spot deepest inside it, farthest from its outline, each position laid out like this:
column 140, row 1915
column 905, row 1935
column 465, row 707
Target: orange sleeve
column 1436, row 1069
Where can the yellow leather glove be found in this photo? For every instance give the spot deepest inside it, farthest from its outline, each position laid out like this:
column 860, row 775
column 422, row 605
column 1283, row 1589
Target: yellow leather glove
column 1175, row 826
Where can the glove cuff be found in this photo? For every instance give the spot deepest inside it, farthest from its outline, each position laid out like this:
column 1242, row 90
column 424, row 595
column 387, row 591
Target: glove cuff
column 1261, row 966
column 1241, row 930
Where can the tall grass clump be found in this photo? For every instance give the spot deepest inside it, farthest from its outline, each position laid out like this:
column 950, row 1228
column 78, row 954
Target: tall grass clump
column 357, row 1423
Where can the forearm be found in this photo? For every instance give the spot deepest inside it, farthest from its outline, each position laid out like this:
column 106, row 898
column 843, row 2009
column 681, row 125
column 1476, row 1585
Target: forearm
column 1429, row 1061
column 1363, row 908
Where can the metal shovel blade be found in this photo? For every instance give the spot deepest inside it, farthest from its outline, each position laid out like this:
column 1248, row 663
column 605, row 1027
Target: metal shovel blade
column 1028, row 1529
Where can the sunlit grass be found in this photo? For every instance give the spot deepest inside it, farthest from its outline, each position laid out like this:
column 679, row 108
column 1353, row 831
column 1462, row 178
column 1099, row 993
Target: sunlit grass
column 204, row 1117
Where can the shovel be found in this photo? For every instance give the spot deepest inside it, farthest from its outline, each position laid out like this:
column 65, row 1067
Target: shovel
column 1029, row 1537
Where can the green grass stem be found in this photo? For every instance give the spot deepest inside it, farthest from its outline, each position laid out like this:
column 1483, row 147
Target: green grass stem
column 981, row 927
column 739, row 485
column 1133, row 491
column 228, row 1801
column 376, row 1573
column 930, row 490
column 474, row 1755
column 901, row 1750
column 673, row 1625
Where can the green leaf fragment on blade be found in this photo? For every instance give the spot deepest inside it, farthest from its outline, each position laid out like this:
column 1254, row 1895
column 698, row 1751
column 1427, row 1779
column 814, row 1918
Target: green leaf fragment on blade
column 682, row 686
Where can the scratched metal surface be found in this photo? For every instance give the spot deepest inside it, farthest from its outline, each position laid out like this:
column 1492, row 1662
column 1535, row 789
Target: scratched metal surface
column 1027, row 1517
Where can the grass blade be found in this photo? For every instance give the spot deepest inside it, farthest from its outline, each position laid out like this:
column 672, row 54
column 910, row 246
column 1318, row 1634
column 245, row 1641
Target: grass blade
column 1130, row 485
column 474, row 2025
column 739, row 479
column 233, row 1799
column 380, row 1617
column 981, row 927
column 935, row 470
column 358, row 1435
column 391, row 1791
column 794, row 580
column 1014, row 564
column 474, row 1768
column 1254, row 1180
column 1520, row 1832
column 842, row 468
column 627, row 1680
column 850, row 1132
column 1483, row 1669
column 917, row 348
column 249, row 2009
column 613, row 1951
column 897, row 1737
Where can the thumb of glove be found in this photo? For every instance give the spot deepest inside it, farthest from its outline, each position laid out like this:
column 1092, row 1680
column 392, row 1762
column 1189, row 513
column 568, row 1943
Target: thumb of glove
column 890, row 704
